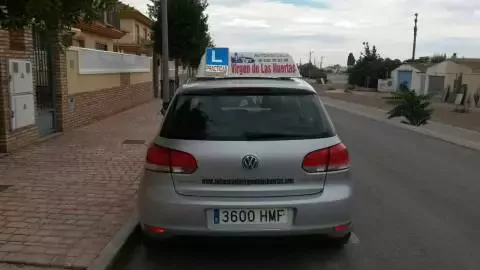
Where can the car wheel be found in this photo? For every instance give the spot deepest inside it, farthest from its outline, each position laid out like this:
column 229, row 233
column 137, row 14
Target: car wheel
column 340, row 242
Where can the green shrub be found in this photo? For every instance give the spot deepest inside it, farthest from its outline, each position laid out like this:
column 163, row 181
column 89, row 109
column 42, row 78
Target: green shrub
column 404, row 87
column 476, row 97
column 416, row 109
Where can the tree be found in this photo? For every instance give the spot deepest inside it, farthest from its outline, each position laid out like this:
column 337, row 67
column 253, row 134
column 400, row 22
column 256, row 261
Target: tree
column 187, row 28
column 438, row 58
column 389, row 65
column 311, row 71
column 351, row 60
column 370, row 67
column 55, row 17
column 414, row 108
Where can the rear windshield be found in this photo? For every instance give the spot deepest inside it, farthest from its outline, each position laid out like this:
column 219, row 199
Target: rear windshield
column 245, row 117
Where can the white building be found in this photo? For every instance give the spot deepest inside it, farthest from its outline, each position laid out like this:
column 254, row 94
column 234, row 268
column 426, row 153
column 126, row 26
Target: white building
column 413, row 75
column 443, row 75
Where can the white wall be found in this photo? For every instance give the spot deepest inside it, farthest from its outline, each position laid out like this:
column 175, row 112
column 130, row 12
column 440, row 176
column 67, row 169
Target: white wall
column 472, row 81
column 423, row 83
column 386, row 85
column 103, row 62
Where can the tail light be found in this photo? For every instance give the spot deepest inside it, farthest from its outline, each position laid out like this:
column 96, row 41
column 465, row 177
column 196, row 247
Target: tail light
column 329, row 159
column 162, row 159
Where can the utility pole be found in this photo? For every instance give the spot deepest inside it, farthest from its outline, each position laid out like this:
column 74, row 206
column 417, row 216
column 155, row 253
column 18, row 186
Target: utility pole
column 165, row 78
column 415, row 29
column 321, row 61
column 310, row 64
column 156, row 80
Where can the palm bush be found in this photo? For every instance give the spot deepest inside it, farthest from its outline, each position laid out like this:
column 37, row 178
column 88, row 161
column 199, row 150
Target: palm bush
column 416, row 109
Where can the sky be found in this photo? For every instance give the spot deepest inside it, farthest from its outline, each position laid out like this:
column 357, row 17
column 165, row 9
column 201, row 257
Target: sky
column 334, row 28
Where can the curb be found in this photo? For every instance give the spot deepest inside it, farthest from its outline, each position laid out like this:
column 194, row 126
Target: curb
column 110, row 252
column 443, row 137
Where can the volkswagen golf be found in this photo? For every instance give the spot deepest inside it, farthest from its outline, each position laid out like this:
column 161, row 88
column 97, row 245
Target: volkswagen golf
column 246, row 157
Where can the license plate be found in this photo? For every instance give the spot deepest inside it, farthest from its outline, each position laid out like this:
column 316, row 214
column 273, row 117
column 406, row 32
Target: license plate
column 250, row 216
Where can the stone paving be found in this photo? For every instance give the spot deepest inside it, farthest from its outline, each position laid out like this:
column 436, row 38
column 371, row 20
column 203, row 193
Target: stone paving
column 68, row 196
column 4, row 266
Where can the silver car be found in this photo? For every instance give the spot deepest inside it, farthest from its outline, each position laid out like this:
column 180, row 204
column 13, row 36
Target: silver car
column 246, row 157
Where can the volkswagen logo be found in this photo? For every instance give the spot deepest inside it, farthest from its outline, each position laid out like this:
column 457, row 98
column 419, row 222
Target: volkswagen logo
column 250, row 162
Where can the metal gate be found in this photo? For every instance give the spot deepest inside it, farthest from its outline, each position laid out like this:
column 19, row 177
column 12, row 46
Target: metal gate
column 44, row 83
column 404, row 77
column 436, row 84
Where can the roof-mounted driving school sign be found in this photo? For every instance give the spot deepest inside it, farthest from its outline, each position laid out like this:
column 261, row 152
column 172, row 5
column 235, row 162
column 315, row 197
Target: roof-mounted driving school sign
column 216, row 60
column 219, row 62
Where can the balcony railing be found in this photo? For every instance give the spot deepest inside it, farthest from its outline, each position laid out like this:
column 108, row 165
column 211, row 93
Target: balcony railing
column 112, row 18
column 144, row 41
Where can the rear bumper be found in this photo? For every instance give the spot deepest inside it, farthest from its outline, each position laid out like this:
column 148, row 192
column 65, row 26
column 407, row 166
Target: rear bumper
column 160, row 206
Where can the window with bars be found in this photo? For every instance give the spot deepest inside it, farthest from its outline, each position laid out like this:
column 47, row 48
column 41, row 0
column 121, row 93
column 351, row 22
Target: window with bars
column 101, row 46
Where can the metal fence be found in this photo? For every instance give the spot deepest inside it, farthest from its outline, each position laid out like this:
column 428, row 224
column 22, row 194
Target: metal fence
column 43, row 75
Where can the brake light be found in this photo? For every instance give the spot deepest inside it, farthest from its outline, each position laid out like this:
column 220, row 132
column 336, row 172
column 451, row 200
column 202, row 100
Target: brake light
column 162, row 159
column 339, row 158
column 152, row 229
column 329, row 159
column 248, row 90
column 316, row 161
column 343, row 227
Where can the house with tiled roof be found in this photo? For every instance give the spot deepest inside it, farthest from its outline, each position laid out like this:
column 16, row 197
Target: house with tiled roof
column 106, row 70
column 100, row 34
column 138, row 28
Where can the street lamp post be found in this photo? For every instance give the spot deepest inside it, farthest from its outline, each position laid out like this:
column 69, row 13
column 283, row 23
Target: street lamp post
column 165, row 57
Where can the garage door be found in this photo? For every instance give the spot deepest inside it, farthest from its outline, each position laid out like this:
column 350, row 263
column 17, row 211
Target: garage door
column 436, row 84
column 404, row 77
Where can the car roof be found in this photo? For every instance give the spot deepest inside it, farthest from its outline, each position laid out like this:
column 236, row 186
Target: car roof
column 231, row 82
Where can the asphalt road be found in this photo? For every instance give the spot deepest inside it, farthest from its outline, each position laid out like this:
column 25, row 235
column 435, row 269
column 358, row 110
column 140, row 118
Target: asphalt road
column 417, row 207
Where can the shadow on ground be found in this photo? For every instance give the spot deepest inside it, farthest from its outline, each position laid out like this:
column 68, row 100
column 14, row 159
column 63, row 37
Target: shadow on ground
column 232, row 253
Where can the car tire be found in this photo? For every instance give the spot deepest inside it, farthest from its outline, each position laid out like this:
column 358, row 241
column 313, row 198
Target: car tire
column 340, row 242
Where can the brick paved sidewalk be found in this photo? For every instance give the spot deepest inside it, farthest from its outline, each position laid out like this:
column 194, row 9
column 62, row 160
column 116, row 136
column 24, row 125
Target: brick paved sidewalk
column 5, row 266
column 68, row 196
column 443, row 112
